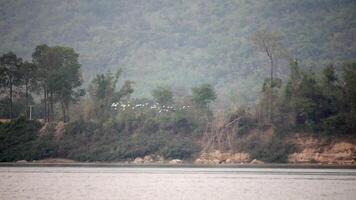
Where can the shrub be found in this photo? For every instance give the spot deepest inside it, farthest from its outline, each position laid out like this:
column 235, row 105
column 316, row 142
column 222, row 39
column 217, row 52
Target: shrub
column 17, row 139
column 335, row 124
column 181, row 149
column 275, row 150
column 140, row 146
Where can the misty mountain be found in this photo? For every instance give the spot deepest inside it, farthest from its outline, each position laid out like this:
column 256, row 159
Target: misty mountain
column 181, row 43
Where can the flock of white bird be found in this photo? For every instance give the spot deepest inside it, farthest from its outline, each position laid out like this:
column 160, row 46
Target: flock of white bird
column 160, row 108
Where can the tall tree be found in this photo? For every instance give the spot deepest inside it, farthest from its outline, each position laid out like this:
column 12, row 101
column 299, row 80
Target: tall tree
column 270, row 43
column 163, row 95
column 349, row 78
column 29, row 76
column 332, row 91
column 203, row 95
column 41, row 59
column 103, row 92
column 10, row 75
column 125, row 91
column 60, row 76
column 65, row 82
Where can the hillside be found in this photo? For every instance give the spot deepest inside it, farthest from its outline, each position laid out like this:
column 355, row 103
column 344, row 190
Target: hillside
column 182, row 43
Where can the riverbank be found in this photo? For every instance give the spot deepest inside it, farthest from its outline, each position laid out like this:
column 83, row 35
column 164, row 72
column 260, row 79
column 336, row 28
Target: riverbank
column 23, row 142
column 167, row 165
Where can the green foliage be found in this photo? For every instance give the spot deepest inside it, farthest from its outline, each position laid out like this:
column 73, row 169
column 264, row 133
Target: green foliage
column 19, row 140
column 319, row 103
column 182, row 43
column 203, row 95
column 246, row 120
column 10, row 70
column 270, row 43
column 18, row 104
column 59, row 75
column 10, row 75
column 349, row 76
column 180, row 149
column 276, row 150
column 131, row 134
column 163, row 96
column 181, row 123
column 103, row 92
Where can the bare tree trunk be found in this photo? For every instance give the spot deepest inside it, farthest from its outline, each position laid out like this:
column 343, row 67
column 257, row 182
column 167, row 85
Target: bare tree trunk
column 270, row 100
column 272, row 69
column 271, row 92
column 45, row 105
column 26, row 109
column 220, row 135
column 65, row 108
column 67, row 112
column 63, row 111
column 11, row 94
column 52, row 108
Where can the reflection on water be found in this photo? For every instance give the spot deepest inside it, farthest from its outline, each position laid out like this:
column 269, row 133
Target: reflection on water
column 175, row 183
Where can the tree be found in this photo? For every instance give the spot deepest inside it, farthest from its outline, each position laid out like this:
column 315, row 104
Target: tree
column 103, row 92
column 29, row 76
column 10, row 75
column 66, row 80
column 125, row 91
column 316, row 101
column 59, row 76
column 332, row 91
column 163, row 96
column 349, row 78
column 203, row 95
column 41, row 59
column 270, row 43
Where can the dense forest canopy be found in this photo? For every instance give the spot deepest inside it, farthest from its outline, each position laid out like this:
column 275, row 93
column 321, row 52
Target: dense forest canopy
column 183, row 43
column 131, row 80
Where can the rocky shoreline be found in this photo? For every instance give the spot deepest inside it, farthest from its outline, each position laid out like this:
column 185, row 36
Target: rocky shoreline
column 311, row 152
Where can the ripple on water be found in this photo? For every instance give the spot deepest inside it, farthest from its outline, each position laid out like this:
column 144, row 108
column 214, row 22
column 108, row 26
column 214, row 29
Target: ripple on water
column 175, row 183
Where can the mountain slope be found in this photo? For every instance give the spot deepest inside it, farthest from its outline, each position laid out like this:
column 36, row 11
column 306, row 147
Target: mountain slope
column 182, row 42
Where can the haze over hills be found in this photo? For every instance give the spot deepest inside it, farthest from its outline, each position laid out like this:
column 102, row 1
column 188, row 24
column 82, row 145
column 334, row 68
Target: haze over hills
column 182, row 43
column 209, row 82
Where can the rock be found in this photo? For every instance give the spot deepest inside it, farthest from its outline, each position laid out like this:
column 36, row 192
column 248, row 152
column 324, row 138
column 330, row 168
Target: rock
column 342, row 153
column 138, row 160
column 342, row 147
column 216, row 161
column 148, row 159
column 241, row 157
column 217, row 157
column 56, row 160
column 21, row 161
column 176, row 161
column 255, row 161
column 216, row 154
column 159, row 159
column 59, row 130
column 43, row 131
column 199, row 161
column 204, row 155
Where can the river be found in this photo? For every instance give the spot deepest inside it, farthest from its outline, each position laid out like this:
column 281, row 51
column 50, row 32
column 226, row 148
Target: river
column 146, row 183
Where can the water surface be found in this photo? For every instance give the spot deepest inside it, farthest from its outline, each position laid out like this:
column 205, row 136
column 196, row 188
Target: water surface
column 175, row 183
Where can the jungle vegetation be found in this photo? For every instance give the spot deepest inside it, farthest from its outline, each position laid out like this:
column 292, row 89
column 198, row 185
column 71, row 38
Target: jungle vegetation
column 115, row 80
